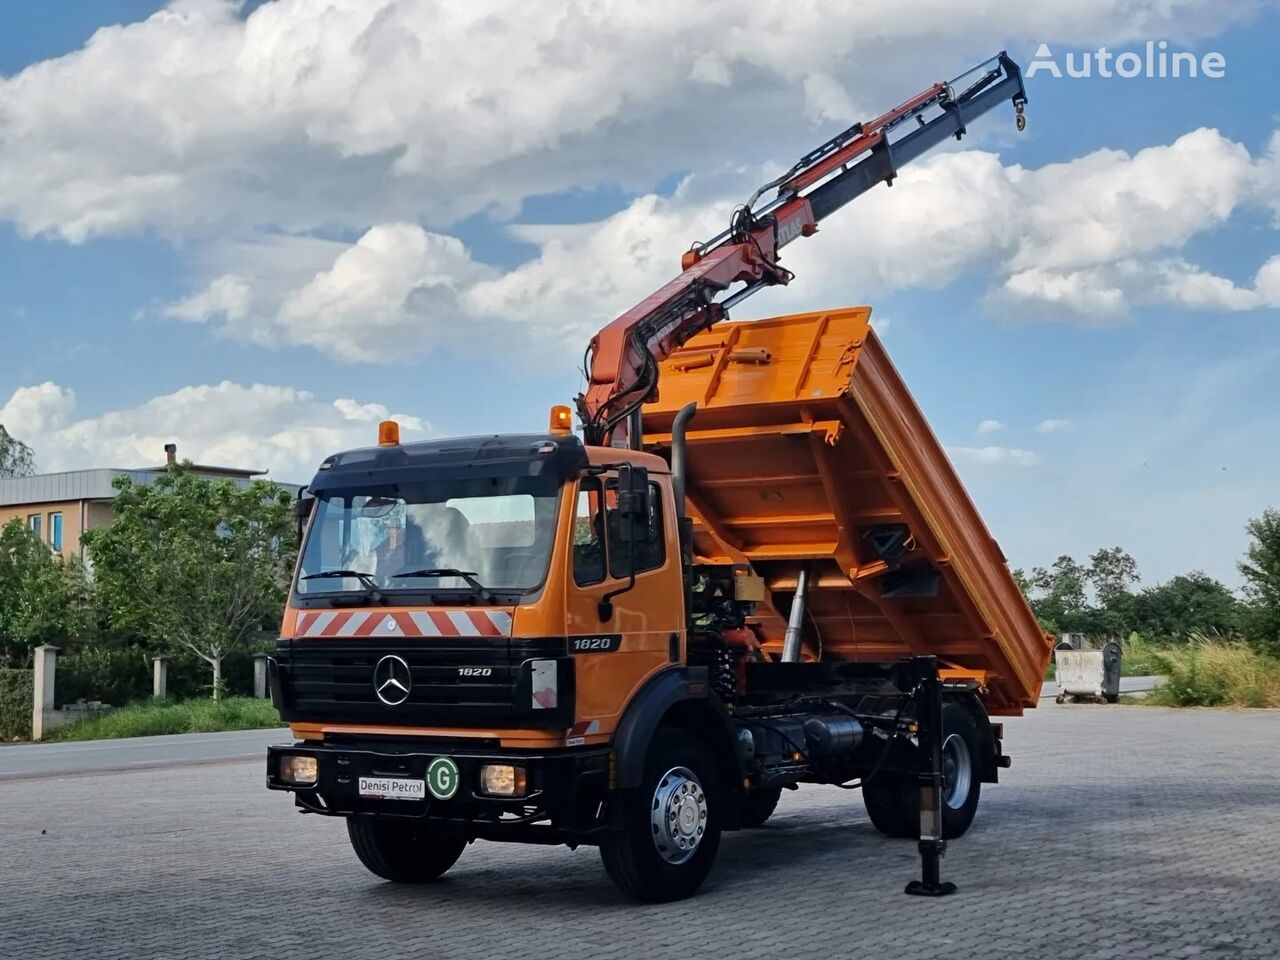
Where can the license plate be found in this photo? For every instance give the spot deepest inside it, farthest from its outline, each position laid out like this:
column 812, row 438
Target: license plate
column 393, row 788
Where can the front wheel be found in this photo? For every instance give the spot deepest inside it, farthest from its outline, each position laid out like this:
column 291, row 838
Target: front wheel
column 671, row 822
column 893, row 799
column 404, row 852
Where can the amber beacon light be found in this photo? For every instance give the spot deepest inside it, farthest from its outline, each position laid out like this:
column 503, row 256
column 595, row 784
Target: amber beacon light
column 388, row 434
column 561, row 420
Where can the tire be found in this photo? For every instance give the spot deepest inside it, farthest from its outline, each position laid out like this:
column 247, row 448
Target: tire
column 893, row 799
column 404, row 852
column 651, row 862
column 758, row 806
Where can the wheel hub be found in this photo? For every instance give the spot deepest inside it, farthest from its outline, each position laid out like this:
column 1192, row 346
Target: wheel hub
column 957, row 771
column 678, row 814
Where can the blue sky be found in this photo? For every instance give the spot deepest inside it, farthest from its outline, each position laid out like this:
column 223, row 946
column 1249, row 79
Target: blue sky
column 256, row 231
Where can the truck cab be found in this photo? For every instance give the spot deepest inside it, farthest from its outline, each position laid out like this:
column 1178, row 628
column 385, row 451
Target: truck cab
column 469, row 623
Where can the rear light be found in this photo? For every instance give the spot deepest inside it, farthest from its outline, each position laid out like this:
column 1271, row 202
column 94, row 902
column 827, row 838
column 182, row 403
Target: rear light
column 299, row 771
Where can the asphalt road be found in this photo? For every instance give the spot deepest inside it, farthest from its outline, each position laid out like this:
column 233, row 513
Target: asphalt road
column 1129, row 832
column 25, row 760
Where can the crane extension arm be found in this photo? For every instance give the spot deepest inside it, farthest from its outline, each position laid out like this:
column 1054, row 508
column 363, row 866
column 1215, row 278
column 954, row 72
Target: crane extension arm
column 623, row 358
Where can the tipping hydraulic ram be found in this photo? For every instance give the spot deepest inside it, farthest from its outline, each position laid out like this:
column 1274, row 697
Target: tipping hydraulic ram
column 622, row 359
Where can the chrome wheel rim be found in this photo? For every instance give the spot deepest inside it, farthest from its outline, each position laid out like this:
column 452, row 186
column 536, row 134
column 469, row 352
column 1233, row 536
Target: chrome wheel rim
column 678, row 814
column 957, row 771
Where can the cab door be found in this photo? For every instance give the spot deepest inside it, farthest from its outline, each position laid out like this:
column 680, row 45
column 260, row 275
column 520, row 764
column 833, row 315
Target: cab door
column 642, row 629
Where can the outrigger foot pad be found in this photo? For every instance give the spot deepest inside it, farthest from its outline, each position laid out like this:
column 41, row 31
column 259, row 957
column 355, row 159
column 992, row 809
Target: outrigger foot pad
column 918, row 888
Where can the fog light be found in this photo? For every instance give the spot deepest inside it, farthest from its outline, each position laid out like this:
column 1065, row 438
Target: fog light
column 298, row 770
column 502, row 780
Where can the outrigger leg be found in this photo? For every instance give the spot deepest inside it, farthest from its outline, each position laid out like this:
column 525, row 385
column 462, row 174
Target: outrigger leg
column 929, row 777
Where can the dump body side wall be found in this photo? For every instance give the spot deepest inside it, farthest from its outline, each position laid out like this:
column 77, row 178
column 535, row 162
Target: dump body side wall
column 808, row 451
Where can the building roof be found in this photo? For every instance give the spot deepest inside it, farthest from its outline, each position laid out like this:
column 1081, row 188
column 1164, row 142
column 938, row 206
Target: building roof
column 96, row 484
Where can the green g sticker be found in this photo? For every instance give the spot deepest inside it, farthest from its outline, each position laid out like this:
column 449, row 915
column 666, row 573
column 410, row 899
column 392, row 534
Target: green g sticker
column 442, row 778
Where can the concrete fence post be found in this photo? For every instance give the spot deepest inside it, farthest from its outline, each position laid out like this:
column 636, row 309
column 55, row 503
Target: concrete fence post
column 260, row 676
column 159, row 677
column 43, row 671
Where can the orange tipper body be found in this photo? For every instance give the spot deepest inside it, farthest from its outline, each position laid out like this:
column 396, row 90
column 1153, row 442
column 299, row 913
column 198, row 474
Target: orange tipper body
column 808, row 449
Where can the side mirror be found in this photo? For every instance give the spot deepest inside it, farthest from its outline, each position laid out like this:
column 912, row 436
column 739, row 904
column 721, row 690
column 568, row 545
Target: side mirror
column 302, row 508
column 633, row 501
column 633, row 511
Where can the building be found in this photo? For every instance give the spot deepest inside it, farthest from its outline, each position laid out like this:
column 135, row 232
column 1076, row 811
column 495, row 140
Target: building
column 59, row 507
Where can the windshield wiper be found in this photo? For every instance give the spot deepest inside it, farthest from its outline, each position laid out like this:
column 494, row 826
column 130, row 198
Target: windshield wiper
column 469, row 576
column 366, row 579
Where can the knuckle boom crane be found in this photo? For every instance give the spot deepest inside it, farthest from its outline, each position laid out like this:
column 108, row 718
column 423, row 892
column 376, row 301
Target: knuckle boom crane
column 622, row 359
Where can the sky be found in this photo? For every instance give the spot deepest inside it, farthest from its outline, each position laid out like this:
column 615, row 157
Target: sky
column 257, row 229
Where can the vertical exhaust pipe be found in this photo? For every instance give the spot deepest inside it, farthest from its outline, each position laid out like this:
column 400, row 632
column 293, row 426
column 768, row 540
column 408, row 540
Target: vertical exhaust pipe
column 679, row 461
column 795, row 620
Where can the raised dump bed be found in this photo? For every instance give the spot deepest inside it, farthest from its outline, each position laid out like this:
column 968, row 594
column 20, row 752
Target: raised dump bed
column 808, row 451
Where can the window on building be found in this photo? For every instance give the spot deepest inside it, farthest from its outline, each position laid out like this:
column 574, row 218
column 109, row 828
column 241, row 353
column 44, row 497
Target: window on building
column 55, row 531
column 37, row 527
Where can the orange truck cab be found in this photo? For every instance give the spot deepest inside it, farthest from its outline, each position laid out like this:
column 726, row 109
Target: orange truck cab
column 524, row 638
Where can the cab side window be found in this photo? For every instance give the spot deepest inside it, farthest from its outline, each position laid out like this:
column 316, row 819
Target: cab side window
column 648, row 544
column 588, row 534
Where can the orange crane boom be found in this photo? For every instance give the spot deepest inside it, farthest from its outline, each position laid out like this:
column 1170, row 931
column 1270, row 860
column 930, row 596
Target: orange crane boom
column 623, row 358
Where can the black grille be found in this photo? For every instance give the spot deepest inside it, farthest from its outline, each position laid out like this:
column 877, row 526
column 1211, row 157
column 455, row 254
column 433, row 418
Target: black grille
column 329, row 680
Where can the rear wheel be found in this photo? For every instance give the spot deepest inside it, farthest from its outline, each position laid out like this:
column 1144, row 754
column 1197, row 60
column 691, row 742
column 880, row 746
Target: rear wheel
column 758, row 806
column 672, row 823
column 893, row 799
column 404, row 852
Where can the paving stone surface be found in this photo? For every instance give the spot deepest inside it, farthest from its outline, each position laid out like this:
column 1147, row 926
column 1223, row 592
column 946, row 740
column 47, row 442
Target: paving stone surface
column 1127, row 832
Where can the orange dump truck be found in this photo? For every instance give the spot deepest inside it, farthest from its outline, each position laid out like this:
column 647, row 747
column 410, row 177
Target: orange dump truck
column 526, row 638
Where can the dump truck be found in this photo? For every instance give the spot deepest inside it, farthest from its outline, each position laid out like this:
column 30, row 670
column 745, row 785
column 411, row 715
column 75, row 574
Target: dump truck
column 763, row 574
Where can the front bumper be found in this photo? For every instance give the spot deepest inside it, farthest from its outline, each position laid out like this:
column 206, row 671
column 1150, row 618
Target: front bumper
column 564, row 802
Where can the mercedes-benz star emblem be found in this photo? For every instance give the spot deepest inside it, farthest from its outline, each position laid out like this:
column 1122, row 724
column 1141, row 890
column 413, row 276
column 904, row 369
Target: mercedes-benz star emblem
column 392, row 680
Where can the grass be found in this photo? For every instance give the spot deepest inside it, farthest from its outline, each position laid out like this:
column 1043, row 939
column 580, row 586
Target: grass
column 1208, row 672
column 157, row 717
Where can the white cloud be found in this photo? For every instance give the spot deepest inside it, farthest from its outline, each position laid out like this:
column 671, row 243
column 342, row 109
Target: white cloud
column 281, row 429
column 33, row 412
column 401, row 288
column 357, row 112
column 226, row 297
column 990, row 426
column 1052, row 425
column 994, row 456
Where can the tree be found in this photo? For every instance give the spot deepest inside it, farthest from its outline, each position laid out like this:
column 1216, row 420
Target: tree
column 1261, row 571
column 193, row 565
column 1062, row 601
column 16, row 458
column 1192, row 603
column 43, row 598
column 1112, row 571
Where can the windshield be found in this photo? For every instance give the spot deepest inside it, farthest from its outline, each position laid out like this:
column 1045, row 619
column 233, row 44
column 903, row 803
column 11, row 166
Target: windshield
column 491, row 533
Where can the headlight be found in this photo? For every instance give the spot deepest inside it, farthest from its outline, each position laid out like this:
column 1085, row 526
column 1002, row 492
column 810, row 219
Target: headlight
column 298, row 770
column 502, row 780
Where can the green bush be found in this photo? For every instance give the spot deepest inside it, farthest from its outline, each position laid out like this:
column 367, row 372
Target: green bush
column 120, row 674
column 191, row 678
column 113, row 674
column 1214, row 673
column 158, row 717
column 15, row 704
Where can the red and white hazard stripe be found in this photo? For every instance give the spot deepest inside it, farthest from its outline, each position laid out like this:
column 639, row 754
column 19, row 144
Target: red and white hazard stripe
column 415, row 623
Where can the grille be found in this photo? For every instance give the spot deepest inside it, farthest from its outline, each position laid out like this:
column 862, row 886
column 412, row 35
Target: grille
column 332, row 679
